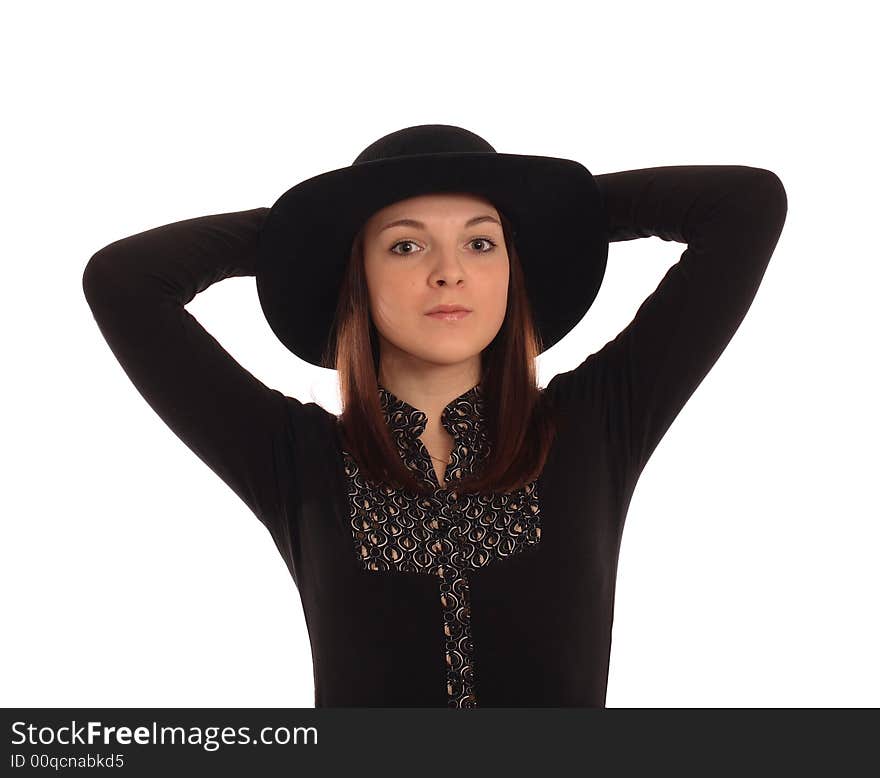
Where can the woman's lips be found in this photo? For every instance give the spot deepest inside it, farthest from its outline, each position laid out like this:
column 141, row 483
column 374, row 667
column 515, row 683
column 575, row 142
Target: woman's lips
column 449, row 315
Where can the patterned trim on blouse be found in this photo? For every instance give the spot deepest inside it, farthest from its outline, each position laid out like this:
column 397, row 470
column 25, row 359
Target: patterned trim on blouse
column 444, row 534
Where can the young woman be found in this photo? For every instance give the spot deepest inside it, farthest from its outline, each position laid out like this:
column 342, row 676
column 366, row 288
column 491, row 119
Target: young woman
column 454, row 534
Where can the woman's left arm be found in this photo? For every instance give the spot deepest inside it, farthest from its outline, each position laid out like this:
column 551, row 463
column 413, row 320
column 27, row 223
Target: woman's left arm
column 730, row 217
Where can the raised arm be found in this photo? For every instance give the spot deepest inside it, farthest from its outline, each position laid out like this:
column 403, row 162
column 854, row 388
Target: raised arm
column 137, row 288
column 730, row 217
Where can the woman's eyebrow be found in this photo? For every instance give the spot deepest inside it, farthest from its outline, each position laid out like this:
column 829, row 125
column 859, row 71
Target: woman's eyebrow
column 421, row 225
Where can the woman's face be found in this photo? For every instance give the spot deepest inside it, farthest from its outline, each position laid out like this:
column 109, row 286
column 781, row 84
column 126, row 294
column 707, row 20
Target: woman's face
column 442, row 255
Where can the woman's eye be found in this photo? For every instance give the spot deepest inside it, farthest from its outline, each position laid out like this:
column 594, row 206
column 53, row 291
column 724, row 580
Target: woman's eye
column 491, row 243
column 402, row 243
column 485, row 240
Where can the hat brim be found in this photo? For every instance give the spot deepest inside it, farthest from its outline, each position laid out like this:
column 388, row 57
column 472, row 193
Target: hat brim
column 554, row 204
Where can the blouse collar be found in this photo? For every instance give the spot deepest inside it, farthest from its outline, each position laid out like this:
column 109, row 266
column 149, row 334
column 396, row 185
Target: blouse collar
column 462, row 417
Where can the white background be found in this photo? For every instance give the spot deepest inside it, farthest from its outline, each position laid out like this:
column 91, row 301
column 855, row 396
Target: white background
column 132, row 576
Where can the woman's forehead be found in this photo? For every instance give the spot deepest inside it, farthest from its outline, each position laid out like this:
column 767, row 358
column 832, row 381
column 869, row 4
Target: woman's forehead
column 433, row 205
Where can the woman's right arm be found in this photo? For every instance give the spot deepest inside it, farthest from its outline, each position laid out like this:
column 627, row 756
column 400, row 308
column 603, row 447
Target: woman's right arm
column 137, row 288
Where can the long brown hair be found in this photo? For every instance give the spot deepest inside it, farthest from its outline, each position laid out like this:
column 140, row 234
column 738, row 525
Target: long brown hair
column 508, row 387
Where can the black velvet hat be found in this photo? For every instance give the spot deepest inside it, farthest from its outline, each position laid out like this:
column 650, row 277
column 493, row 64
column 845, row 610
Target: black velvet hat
column 554, row 204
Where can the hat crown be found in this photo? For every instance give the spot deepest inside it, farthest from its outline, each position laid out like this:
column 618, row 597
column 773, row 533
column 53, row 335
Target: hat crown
column 424, row 139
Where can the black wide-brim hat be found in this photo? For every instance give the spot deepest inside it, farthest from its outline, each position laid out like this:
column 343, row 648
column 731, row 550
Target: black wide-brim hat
column 555, row 206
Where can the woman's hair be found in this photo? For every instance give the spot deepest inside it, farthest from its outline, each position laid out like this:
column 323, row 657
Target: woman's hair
column 509, row 389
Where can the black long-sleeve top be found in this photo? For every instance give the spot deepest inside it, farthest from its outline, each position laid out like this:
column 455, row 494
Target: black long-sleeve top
column 449, row 600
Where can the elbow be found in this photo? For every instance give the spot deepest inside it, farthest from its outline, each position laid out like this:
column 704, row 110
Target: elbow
column 772, row 191
column 94, row 278
column 766, row 195
column 777, row 198
column 102, row 278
